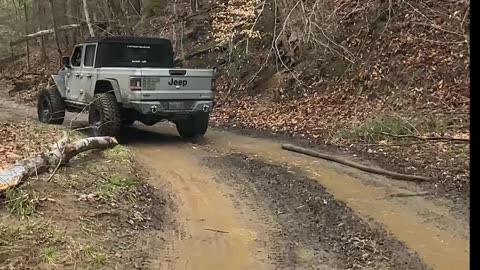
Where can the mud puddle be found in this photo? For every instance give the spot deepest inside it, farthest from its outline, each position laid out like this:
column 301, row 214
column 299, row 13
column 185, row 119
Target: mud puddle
column 442, row 241
column 214, row 233
column 316, row 231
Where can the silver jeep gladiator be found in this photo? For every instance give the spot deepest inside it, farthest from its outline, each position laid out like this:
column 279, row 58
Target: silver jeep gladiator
column 120, row 80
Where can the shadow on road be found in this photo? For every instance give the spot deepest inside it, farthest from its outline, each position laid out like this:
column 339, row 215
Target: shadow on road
column 155, row 135
column 159, row 134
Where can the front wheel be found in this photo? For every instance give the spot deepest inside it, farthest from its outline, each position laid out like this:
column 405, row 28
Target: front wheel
column 194, row 126
column 50, row 107
column 104, row 115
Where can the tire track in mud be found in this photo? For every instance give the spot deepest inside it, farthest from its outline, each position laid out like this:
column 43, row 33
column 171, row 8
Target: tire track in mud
column 442, row 242
column 214, row 233
column 291, row 219
column 315, row 230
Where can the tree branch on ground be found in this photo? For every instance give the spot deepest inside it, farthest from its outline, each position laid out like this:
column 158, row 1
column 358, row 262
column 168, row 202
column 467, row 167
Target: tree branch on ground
column 65, row 151
column 394, row 175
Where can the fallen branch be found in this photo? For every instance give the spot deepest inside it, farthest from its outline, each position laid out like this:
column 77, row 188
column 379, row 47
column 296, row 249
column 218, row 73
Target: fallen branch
column 428, row 138
column 60, row 153
column 43, row 33
column 394, row 175
column 50, row 31
column 406, row 195
column 214, row 230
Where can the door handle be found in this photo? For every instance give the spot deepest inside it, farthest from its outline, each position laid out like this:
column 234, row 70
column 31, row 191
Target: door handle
column 81, row 76
column 77, row 74
column 89, row 75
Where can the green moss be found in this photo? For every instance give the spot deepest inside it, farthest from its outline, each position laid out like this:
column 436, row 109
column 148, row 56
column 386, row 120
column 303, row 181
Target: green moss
column 118, row 153
column 21, row 203
column 116, row 185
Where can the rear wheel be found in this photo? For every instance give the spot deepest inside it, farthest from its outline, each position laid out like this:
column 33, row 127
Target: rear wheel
column 104, row 115
column 50, row 107
column 194, row 126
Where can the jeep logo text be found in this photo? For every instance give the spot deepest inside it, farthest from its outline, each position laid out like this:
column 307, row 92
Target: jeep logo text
column 182, row 83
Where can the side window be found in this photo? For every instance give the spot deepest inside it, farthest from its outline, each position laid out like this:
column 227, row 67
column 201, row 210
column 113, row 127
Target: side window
column 77, row 56
column 89, row 56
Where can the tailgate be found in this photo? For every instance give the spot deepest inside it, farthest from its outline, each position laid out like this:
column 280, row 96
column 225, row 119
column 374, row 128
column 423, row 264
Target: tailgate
column 184, row 80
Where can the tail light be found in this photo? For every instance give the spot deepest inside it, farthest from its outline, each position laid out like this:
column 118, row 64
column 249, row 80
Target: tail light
column 135, row 84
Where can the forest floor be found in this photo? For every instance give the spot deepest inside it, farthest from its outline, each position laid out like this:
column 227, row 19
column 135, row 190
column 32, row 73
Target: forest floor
column 230, row 201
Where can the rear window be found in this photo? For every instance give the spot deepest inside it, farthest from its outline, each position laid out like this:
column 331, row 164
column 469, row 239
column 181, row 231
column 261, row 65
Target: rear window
column 135, row 55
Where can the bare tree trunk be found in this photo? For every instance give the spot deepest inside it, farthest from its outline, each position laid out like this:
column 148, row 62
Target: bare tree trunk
column 174, row 33
column 39, row 13
column 123, row 7
column 136, row 4
column 16, row 9
column 193, row 5
column 70, row 19
column 87, row 18
column 114, row 7
column 54, row 22
column 107, row 14
column 43, row 52
column 26, row 33
column 182, row 51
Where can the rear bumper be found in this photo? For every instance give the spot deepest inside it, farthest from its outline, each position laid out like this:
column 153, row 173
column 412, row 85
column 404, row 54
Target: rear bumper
column 160, row 107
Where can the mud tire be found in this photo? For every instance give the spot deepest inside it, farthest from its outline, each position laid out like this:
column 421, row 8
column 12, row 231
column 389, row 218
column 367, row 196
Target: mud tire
column 50, row 107
column 104, row 115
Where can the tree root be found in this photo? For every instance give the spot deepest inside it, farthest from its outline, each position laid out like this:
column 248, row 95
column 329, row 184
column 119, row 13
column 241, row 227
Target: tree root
column 394, row 175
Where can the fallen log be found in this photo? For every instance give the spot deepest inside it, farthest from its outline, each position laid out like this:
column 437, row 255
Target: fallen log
column 60, row 153
column 43, row 33
column 51, row 31
column 394, row 175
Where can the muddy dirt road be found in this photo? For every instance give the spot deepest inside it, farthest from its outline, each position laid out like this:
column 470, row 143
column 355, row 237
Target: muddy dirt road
column 243, row 203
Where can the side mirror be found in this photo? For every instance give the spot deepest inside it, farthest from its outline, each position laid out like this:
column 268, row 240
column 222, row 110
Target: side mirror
column 66, row 61
column 215, row 71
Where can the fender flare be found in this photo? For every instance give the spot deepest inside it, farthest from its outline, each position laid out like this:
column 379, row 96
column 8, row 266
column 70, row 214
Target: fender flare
column 59, row 81
column 116, row 88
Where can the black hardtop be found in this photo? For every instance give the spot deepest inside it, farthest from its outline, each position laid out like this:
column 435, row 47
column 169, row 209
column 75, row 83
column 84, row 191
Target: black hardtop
column 122, row 51
column 130, row 40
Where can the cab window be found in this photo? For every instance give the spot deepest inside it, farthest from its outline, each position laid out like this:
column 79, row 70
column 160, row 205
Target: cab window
column 77, row 56
column 89, row 58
